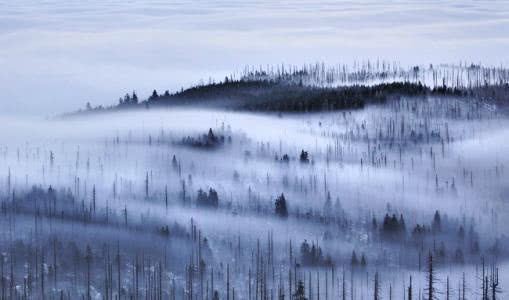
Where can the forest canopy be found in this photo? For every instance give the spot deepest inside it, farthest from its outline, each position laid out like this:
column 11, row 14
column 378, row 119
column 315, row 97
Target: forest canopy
column 318, row 88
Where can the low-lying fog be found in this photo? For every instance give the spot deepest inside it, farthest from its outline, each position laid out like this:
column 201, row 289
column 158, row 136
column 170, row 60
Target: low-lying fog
column 434, row 166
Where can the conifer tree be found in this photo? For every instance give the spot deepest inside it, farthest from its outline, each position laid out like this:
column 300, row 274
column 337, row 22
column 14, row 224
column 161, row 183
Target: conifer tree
column 280, row 206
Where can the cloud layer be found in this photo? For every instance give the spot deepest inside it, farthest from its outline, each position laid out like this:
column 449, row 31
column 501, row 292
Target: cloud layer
column 57, row 55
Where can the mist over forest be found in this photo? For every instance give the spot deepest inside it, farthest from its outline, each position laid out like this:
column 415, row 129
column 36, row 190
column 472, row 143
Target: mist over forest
column 256, row 150
column 389, row 187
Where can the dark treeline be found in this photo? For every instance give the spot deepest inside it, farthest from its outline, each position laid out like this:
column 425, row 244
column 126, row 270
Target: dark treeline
column 320, row 88
column 278, row 96
column 205, row 141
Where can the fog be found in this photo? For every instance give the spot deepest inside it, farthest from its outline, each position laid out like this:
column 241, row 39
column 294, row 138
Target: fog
column 300, row 150
column 57, row 55
column 107, row 186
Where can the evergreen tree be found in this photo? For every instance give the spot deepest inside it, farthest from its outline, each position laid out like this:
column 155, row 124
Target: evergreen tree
column 436, row 226
column 216, row 295
column 280, row 206
column 304, row 156
column 461, row 233
column 402, row 224
column 363, row 261
column 210, row 200
column 154, row 96
column 354, row 261
column 213, row 199
column 127, row 99
column 299, row 292
column 327, row 207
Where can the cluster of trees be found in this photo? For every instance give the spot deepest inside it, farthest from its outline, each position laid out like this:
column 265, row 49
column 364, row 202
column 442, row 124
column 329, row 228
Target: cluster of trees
column 262, row 95
column 61, row 205
column 128, row 100
column 308, row 88
column 205, row 141
column 311, row 255
column 283, row 96
column 435, row 227
column 300, row 293
column 175, row 230
column 210, row 200
column 356, row 262
column 285, row 158
column 392, row 228
column 155, row 96
column 304, row 157
column 49, row 203
column 280, row 206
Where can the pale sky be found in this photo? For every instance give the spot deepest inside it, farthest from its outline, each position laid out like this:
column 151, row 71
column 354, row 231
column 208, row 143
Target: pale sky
column 57, row 55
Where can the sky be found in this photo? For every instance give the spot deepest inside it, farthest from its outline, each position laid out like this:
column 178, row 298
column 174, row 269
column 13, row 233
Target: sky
column 57, row 55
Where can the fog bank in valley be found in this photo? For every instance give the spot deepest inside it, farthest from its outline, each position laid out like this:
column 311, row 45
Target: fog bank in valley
column 205, row 203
